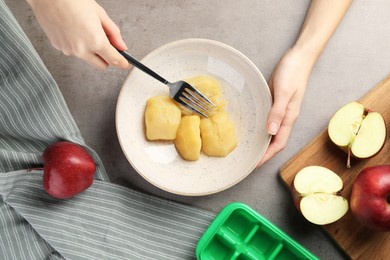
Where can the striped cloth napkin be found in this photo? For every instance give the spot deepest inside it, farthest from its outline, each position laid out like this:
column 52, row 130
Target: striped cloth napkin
column 106, row 221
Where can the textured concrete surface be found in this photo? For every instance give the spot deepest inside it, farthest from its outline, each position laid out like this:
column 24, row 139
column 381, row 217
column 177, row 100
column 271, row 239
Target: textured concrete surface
column 356, row 58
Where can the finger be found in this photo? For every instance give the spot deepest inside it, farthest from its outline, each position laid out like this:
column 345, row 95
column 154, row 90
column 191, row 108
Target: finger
column 111, row 56
column 278, row 142
column 277, row 113
column 95, row 61
column 271, row 82
column 267, row 155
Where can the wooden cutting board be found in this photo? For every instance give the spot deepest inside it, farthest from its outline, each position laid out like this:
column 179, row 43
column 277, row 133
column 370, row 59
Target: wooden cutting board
column 357, row 241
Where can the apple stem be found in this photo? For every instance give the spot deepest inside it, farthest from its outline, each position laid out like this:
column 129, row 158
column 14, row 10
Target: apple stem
column 366, row 112
column 349, row 158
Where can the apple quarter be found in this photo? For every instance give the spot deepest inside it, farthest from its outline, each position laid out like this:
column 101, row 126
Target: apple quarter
column 371, row 136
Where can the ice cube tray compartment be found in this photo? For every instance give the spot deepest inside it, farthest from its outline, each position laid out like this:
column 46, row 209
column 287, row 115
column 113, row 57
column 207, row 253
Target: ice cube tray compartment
column 239, row 223
column 264, row 243
column 218, row 247
column 240, row 233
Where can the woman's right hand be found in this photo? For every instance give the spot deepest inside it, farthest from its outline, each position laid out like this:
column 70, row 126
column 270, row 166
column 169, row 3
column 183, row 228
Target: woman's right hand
column 83, row 29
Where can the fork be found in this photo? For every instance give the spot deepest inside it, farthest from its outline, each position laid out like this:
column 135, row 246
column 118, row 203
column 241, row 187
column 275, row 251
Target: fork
column 180, row 91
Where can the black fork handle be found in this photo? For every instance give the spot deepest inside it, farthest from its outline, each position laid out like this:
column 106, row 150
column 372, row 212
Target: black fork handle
column 142, row 67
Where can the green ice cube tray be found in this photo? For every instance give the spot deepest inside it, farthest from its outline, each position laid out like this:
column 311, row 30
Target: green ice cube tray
column 239, row 232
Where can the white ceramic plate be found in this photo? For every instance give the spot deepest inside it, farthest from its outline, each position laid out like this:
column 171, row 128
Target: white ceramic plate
column 249, row 101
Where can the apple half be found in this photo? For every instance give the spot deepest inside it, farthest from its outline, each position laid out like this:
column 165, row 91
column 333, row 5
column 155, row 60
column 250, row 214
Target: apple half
column 357, row 130
column 317, row 195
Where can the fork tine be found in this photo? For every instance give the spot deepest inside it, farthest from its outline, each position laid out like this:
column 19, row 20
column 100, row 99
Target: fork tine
column 191, row 106
column 195, row 100
column 198, row 93
column 206, row 104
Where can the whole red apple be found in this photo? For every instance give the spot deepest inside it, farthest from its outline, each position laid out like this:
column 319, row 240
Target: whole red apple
column 68, row 169
column 370, row 198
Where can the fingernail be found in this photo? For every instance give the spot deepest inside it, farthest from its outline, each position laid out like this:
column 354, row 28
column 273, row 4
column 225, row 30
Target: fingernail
column 273, row 128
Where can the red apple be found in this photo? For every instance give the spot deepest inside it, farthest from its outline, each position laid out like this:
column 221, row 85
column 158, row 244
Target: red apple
column 316, row 191
column 68, row 169
column 370, row 198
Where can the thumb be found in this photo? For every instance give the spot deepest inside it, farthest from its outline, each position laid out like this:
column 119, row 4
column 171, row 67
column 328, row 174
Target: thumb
column 279, row 107
column 277, row 114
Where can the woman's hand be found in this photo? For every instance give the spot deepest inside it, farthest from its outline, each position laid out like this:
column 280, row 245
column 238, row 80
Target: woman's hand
column 81, row 28
column 289, row 79
column 288, row 84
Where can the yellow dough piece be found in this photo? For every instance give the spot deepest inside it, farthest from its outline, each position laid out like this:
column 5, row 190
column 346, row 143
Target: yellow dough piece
column 218, row 135
column 188, row 142
column 162, row 118
column 211, row 88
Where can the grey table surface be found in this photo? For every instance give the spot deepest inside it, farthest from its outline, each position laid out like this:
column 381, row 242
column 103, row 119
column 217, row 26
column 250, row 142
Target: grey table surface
column 356, row 59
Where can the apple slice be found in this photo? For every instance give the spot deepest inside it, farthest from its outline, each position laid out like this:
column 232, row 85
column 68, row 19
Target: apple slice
column 317, row 194
column 357, row 130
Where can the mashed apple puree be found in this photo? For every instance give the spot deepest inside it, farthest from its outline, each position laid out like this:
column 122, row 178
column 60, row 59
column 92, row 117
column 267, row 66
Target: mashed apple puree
column 214, row 136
